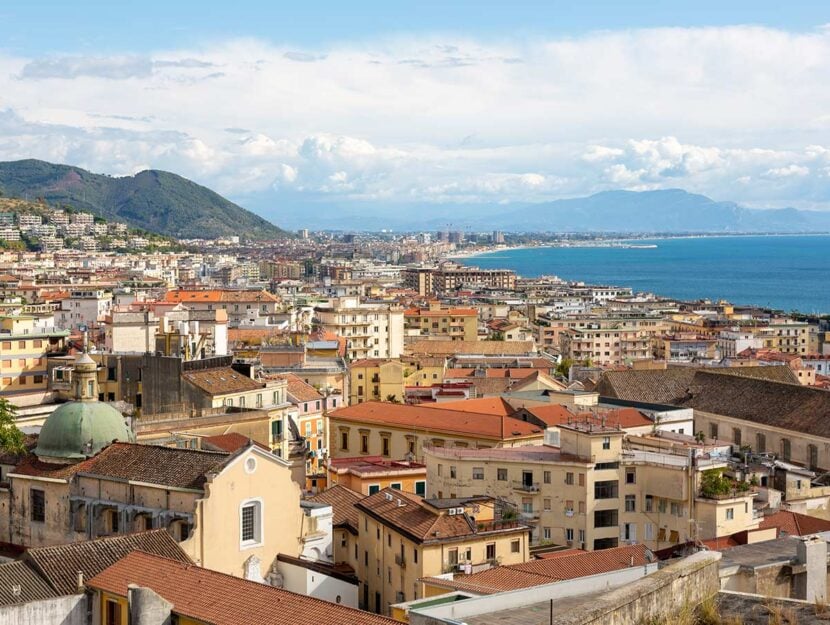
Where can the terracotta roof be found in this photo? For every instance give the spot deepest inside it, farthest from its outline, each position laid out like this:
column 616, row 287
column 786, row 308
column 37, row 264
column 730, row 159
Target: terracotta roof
column 32, row 587
column 484, row 348
column 299, row 390
column 60, row 564
column 420, row 521
column 230, row 442
column 482, row 405
column 342, row 501
column 548, row 570
column 794, row 524
column 557, row 414
column 433, row 417
column 446, row 312
column 221, row 599
column 221, row 381
column 154, row 464
column 219, row 295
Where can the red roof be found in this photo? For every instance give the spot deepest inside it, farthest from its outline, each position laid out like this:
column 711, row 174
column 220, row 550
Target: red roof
column 794, row 524
column 221, row 599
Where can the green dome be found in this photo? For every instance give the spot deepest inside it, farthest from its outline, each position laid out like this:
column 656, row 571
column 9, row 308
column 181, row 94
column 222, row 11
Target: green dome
column 81, row 429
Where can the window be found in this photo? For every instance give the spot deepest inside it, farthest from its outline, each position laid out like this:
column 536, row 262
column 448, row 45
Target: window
column 606, row 442
column 114, row 521
column 421, row 488
column 546, row 534
column 648, row 531
column 452, row 557
column 415, row 555
column 478, row 473
column 676, row 509
column 374, row 488
column 629, row 531
column 631, row 476
column 631, row 503
column 760, row 443
column 395, row 485
column 490, row 551
column 344, row 441
column 786, row 448
column 608, row 489
column 546, row 477
column 440, row 469
column 384, row 445
column 730, row 514
column 501, row 475
column 649, row 503
column 453, row 472
column 713, row 430
column 569, row 533
column 582, row 479
column 250, row 523
column 605, row 518
column 604, row 466
column 546, row 504
column 38, row 505
column 515, row 546
column 569, row 479
column 364, row 443
column 812, row 453
column 736, row 436
column 581, row 507
column 661, row 506
column 113, row 613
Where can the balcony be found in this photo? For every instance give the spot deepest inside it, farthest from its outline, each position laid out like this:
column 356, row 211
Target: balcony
column 526, row 487
column 400, row 560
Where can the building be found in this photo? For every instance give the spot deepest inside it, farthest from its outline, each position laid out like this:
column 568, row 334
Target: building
column 403, row 538
column 83, row 308
column 586, row 492
column 441, row 322
column 609, row 341
column 244, row 308
column 449, row 277
column 369, row 474
column 371, row 330
column 25, row 346
column 402, row 431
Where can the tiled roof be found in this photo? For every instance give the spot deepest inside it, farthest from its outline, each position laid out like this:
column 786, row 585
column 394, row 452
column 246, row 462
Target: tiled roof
column 434, row 418
column 220, row 599
column 342, row 501
column 230, row 442
column 548, row 570
column 221, row 381
column 421, row 522
column 60, row 564
column 482, row 405
column 484, row 348
column 794, row 524
column 299, row 390
column 671, row 386
column 219, row 295
column 32, row 587
column 154, row 464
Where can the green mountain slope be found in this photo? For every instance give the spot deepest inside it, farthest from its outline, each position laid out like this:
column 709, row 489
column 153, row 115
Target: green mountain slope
column 154, row 200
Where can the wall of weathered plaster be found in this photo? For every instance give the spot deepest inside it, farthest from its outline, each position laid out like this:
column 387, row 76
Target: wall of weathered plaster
column 70, row 610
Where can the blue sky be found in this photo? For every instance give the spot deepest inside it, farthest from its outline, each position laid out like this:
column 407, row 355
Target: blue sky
column 290, row 106
column 40, row 26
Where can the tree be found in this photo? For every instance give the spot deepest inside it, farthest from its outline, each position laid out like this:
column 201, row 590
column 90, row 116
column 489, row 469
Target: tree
column 714, row 484
column 564, row 367
column 11, row 438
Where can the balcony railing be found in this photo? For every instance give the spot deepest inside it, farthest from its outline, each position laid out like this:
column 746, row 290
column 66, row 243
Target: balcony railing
column 527, row 487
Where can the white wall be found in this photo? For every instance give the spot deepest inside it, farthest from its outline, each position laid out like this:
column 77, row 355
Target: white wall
column 318, row 585
column 69, row 610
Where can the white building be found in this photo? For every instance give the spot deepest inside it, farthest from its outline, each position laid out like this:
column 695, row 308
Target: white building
column 372, row 330
column 83, row 308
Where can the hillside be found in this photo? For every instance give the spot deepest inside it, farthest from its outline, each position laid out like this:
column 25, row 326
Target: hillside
column 153, row 200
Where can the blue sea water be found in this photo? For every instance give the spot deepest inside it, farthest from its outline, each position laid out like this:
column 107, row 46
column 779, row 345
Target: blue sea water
column 783, row 272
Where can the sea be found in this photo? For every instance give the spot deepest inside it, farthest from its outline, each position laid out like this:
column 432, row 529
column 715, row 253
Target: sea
column 784, row 272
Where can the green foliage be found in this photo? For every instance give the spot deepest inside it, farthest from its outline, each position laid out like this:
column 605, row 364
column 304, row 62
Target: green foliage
column 564, row 367
column 11, row 438
column 714, row 484
column 157, row 201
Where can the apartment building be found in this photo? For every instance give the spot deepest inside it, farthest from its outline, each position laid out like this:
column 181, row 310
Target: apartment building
column 181, row 331
column 786, row 335
column 371, row 330
column 243, row 307
column 370, row 474
column 83, row 308
column 591, row 493
column 459, row 324
column 609, row 340
column 401, row 431
column 376, row 379
column 449, row 277
column 25, row 346
column 403, row 538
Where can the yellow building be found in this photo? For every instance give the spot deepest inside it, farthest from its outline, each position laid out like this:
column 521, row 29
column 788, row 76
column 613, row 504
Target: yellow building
column 459, row 324
column 403, row 538
column 401, row 431
column 24, row 348
column 586, row 493
column 370, row 474
column 377, row 379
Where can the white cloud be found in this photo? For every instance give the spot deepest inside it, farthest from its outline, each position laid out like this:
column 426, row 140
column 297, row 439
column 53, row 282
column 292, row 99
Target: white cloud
column 737, row 113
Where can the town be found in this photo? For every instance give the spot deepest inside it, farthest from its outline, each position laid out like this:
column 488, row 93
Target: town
column 367, row 428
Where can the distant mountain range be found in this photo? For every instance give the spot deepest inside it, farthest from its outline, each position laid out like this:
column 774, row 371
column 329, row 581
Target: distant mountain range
column 153, row 200
column 664, row 211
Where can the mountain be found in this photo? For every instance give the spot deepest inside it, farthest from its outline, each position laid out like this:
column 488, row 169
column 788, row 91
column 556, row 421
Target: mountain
column 153, row 200
column 670, row 210
column 664, row 211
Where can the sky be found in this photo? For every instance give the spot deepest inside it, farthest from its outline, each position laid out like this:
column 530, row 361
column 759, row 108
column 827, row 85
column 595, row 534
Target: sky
column 286, row 106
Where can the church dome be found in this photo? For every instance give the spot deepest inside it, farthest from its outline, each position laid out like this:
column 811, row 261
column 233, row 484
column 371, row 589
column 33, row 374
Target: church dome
column 81, row 428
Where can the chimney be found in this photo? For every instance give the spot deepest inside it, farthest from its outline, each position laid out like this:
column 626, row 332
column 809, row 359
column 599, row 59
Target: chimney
column 147, row 607
column 80, row 581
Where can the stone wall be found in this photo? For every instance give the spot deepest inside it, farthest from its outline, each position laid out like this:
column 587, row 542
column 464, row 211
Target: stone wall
column 69, row 610
column 688, row 581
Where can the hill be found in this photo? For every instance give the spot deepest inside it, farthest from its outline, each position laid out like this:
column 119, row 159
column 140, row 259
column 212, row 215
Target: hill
column 153, row 200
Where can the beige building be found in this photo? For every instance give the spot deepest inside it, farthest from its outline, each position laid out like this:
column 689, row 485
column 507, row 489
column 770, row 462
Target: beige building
column 588, row 493
column 449, row 277
column 371, row 330
column 442, row 322
column 24, row 348
column 607, row 340
column 403, row 538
